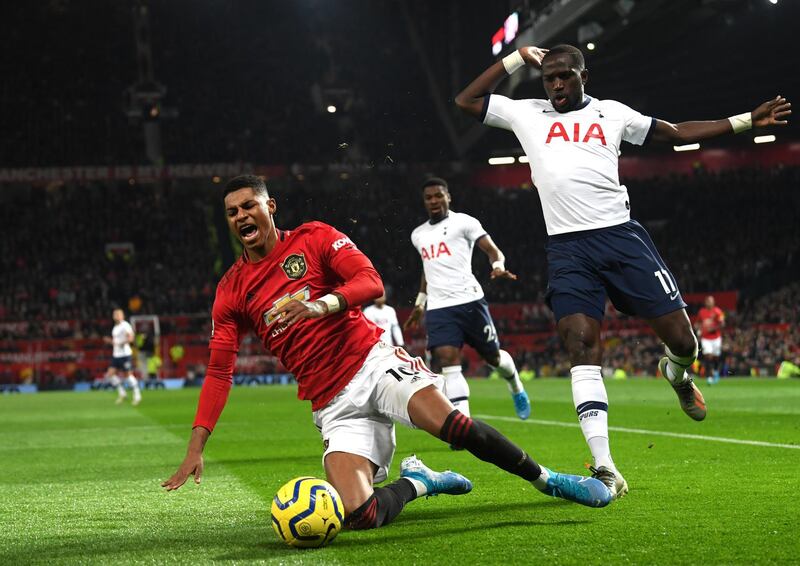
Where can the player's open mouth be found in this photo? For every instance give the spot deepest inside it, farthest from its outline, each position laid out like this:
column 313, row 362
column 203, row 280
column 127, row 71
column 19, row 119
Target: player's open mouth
column 560, row 100
column 248, row 232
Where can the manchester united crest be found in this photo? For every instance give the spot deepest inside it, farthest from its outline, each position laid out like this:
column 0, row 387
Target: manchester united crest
column 294, row 266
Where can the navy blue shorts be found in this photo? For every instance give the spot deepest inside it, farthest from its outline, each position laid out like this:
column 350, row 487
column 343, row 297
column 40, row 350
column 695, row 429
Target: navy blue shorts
column 469, row 323
column 620, row 262
column 122, row 363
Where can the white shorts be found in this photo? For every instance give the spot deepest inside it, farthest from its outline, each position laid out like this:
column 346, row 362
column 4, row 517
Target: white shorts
column 359, row 420
column 711, row 347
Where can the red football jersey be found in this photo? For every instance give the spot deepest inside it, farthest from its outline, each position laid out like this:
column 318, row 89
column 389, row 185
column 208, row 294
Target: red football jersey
column 710, row 322
column 324, row 353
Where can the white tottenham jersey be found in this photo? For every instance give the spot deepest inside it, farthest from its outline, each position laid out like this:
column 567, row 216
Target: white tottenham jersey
column 385, row 318
column 574, row 157
column 119, row 337
column 446, row 251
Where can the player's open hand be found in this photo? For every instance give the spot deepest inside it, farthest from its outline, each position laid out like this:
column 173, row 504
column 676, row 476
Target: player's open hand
column 295, row 311
column 192, row 465
column 498, row 273
column 533, row 56
column 772, row 113
column 413, row 319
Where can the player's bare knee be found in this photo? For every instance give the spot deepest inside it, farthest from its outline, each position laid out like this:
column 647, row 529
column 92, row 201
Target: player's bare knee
column 351, row 502
column 684, row 344
column 447, row 358
column 582, row 344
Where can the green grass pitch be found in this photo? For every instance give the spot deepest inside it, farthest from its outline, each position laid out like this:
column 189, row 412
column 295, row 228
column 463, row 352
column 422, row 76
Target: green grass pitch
column 79, row 482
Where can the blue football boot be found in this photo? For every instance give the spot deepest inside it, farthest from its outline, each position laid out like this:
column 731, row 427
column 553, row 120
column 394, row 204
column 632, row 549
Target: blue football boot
column 435, row 483
column 580, row 489
column 522, row 404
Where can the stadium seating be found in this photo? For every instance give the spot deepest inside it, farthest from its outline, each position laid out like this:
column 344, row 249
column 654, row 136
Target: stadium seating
column 70, row 255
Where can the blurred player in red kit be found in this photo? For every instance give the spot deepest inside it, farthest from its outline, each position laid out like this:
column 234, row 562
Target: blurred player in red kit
column 300, row 291
column 710, row 321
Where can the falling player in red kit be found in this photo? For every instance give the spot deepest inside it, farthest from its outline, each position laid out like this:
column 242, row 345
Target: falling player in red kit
column 300, row 291
column 710, row 320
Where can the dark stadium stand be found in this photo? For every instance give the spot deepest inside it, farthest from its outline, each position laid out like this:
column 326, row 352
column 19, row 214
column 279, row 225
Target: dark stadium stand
column 74, row 252
column 235, row 94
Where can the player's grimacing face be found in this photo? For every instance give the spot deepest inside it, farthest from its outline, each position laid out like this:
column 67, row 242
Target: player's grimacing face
column 249, row 217
column 563, row 82
column 437, row 201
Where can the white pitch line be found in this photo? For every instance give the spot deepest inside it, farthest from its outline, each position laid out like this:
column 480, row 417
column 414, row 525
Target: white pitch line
column 651, row 432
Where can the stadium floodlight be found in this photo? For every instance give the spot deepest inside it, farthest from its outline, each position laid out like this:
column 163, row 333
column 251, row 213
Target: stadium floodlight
column 764, row 139
column 687, row 147
column 773, row 2
column 331, row 108
column 501, row 160
column 590, row 46
column 523, row 159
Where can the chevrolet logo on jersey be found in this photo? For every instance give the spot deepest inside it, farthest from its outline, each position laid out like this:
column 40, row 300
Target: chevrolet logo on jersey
column 303, row 294
column 294, row 266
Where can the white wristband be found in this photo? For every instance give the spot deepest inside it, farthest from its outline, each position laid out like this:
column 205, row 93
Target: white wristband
column 332, row 302
column 741, row 122
column 513, row 62
column 421, row 299
column 499, row 265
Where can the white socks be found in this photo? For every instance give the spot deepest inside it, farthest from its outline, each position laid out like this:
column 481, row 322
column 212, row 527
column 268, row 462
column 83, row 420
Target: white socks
column 456, row 388
column 116, row 382
column 677, row 365
column 133, row 383
column 508, row 370
column 591, row 404
column 540, row 483
column 419, row 487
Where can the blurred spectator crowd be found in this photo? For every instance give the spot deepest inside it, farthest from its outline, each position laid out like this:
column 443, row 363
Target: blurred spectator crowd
column 74, row 252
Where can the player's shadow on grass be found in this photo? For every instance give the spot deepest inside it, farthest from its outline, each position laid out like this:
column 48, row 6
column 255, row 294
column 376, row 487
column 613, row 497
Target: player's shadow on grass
column 487, row 509
column 400, row 529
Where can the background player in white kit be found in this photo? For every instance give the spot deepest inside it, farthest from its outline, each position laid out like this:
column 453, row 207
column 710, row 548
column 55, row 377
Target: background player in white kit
column 594, row 249
column 452, row 299
column 121, row 365
column 385, row 317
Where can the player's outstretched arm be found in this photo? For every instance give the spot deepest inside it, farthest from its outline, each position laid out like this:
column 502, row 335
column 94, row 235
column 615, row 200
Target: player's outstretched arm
column 413, row 319
column 773, row 112
column 213, row 396
column 470, row 100
column 496, row 258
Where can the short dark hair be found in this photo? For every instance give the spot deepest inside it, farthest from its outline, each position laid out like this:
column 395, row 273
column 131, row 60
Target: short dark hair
column 246, row 181
column 434, row 181
column 575, row 53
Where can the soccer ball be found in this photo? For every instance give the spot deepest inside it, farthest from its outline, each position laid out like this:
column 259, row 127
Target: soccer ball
column 307, row 513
